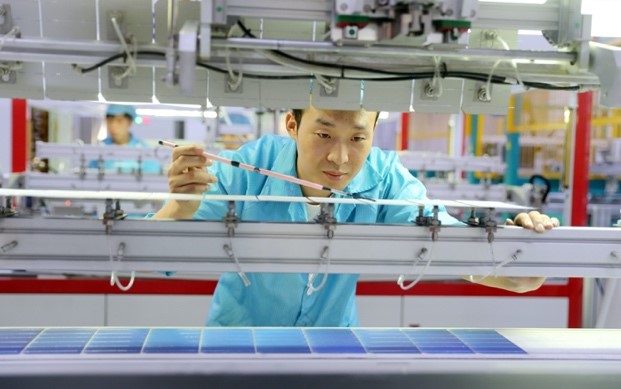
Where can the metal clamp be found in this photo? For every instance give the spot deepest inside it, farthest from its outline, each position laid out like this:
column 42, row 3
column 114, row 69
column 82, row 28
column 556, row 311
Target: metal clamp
column 231, row 220
column 100, row 168
column 112, row 214
column 433, row 221
column 139, row 170
column 7, row 247
column 82, row 171
column 488, row 222
column 7, row 210
column 326, row 217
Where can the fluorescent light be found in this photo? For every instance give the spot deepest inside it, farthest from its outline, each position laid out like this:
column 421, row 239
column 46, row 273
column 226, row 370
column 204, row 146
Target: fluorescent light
column 514, row 1
column 383, row 115
column 529, row 32
column 176, row 113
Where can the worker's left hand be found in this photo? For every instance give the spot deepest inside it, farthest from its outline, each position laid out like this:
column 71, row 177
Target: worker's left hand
column 534, row 220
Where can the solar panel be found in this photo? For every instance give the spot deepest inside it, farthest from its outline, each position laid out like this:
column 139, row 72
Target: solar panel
column 13, row 341
column 60, row 341
column 117, row 341
column 254, row 341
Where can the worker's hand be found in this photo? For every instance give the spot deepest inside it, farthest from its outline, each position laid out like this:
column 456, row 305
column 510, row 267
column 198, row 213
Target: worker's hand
column 534, row 221
column 531, row 221
column 188, row 174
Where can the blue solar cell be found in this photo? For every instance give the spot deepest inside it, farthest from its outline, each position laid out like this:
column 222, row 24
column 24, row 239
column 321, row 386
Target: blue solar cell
column 250, row 341
column 60, row 341
column 172, row 340
column 117, row 341
column 487, row 342
column 333, row 341
column 389, row 341
column 436, row 341
column 285, row 340
column 227, row 340
column 13, row 340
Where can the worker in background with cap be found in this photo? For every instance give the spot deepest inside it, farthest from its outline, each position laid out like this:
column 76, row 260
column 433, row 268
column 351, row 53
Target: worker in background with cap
column 119, row 119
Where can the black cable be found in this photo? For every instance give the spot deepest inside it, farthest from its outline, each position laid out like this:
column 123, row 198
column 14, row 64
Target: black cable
column 98, row 64
column 255, row 76
column 246, row 31
column 114, row 58
column 542, row 85
column 397, row 76
column 390, row 75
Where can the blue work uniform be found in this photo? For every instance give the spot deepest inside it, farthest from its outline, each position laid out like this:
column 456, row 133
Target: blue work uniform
column 278, row 299
column 124, row 166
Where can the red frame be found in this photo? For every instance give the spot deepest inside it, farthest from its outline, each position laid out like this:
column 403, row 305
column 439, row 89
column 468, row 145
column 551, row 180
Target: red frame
column 19, row 144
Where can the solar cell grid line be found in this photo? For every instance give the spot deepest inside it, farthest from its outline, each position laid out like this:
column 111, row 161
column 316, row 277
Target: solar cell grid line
column 333, row 341
column 14, row 340
column 117, row 341
column 437, row 341
column 172, row 340
column 227, row 340
column 60, row 341
column 281, row 340
column 385, row 341
column 487, row 341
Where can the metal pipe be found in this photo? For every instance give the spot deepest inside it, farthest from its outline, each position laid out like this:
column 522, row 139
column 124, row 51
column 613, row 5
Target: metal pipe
column 384, row 51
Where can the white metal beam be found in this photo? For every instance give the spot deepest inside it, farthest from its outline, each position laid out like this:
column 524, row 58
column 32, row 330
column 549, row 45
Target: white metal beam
column 82, row 245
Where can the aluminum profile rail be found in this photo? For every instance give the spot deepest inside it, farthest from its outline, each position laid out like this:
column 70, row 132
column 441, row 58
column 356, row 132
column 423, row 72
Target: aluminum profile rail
column 75, row 245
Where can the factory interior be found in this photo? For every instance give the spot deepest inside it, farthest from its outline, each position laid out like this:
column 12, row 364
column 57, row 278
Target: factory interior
column 278, row 193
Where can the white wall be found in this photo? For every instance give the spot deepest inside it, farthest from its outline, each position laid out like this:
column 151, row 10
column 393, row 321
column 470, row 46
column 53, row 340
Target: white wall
column 6, row 123
column 192, row 310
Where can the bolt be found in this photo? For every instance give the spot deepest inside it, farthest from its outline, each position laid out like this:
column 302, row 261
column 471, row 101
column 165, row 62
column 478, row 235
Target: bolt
column 473, row 13
column 343, row 6
column 484, row 95
column 448, row 12
column 430, row 91
column 490, row 35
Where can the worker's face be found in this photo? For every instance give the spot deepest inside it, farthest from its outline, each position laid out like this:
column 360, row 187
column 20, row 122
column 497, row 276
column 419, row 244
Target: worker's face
column 332, row 146
column 118, row 128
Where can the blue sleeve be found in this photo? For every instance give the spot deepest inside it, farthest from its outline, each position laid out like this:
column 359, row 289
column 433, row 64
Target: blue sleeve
column 401, row 185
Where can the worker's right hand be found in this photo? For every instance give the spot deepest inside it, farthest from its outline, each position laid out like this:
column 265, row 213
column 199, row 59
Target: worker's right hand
column 188, row 174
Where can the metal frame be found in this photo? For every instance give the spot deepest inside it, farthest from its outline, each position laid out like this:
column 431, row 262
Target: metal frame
column 429, row 162
column 94, row 152
column 83, row 245
column 557, row 18
column 91, row 180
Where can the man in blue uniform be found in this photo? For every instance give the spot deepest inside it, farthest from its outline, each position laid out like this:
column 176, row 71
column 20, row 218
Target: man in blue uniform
column 332, row 148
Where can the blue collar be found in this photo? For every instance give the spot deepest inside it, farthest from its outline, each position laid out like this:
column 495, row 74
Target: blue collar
column 132, row 141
